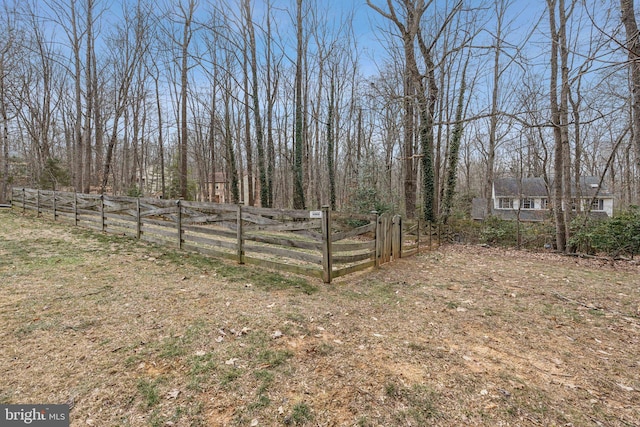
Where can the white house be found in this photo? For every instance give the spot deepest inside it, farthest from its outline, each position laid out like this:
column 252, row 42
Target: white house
column 530, row 199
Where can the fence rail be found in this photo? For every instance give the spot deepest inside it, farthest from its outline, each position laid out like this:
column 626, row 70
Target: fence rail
column 321, row 244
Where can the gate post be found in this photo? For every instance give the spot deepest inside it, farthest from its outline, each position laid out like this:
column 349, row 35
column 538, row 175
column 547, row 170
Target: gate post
column 138, row 219
column 396, row 242
column 378, row 235
column 75, row 208
column 327, row 263
column 102, row 222
column 179, row 223
column 240, row 253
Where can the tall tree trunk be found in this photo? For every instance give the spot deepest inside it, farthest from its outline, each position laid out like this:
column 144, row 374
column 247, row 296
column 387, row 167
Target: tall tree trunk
column 577, row 136
column 78, row 145
column 271, row 95
column 4, row 186
column 298, row 173
column 564, row 121
column 212, row 146
column 330, row 145
column 262, row 173
column 558, row 162
column 247, row 126
column 493, row 119
column 232, row 168
column 410, row 171
column 184, row 80
column 633, row 52
column 427, row 111
column 426, row 97
column 454, row 150
column 86, row 134
column 98, row 126
column 160, row 140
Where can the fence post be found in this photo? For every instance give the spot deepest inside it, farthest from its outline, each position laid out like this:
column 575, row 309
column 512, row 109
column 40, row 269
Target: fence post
column 102, row 223
column 388, row 237
column 394, row 244
column 138, row 219
column 179, row 223
column 430, row 237
column 327, row 264
column 439, row 234
column 23, row 201
column 239, row 235
column 396, row 233
column 75, row 208
column 38, row 204
column 55, row 214
column 378, row 245
column 418, row 238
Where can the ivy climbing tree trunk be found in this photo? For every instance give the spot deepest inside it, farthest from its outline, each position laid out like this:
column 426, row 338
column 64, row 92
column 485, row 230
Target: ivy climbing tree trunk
column 454, row 151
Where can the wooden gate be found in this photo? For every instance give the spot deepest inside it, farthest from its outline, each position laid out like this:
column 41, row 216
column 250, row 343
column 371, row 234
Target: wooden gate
column 388, row 238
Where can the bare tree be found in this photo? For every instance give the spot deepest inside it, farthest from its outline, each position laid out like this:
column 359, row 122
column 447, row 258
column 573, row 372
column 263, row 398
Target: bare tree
column 8, row 55
column 559, row 121
column 186, row 14
column 89, row 97
column 131, row 43
column 262, row 172
column 271, row 92
column 298, row 191
column 633, row 53
column 408, row 32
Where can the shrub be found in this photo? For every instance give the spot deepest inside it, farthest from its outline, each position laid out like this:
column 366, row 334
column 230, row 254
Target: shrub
column 614, row 236
column 54, row 175
column 134, row 191
column 498, row 231
column 495, row 231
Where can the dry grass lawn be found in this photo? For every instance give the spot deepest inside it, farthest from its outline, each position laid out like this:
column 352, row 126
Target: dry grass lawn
column 132, row 334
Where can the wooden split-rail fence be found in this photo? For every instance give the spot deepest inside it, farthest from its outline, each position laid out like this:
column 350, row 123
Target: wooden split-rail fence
column 323, row 243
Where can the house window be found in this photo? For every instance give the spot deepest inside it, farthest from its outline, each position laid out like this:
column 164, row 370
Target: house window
column 597, row 205
column 527, row 204
column 505, row 203
column 544, row 203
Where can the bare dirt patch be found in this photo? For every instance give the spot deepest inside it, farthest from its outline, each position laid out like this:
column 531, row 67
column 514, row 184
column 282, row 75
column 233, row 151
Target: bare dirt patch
column 135, row 335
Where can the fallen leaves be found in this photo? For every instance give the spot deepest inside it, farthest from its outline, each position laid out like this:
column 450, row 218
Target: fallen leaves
column 625, row 388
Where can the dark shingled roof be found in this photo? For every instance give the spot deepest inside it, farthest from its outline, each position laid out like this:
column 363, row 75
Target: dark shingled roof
column 510, row 187
column 535, row 187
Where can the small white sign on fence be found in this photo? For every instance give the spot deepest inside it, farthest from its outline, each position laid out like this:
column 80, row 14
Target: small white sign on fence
column 315, row 214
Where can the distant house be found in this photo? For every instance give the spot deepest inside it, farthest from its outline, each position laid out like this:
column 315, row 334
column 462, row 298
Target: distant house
column 217, row 188
column 531, row 200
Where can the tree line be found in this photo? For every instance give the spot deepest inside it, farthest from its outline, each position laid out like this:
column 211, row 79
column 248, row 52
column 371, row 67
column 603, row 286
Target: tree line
column 294, row 107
